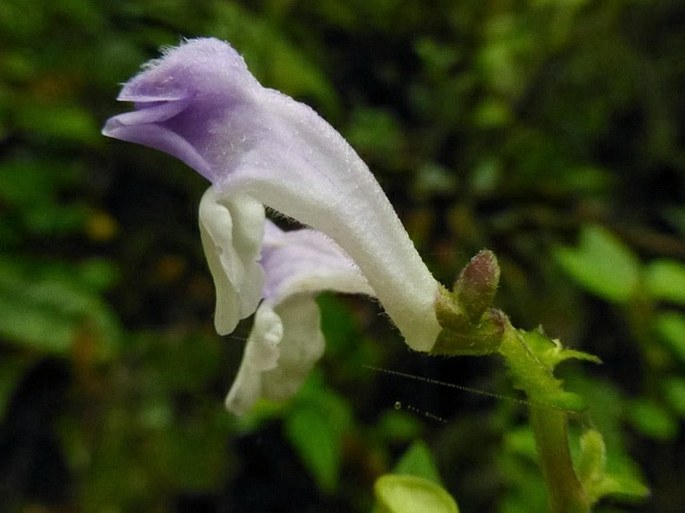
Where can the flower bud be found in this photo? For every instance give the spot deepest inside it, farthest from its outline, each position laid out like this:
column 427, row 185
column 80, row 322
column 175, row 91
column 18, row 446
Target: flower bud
column 477, row 283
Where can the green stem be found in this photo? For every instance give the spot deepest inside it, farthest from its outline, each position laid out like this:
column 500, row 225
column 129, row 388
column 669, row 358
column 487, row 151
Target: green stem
column 549, row 421
column 550, row 426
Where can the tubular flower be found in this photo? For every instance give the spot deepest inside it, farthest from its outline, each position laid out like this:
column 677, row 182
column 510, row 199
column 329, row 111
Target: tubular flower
column 260, row 148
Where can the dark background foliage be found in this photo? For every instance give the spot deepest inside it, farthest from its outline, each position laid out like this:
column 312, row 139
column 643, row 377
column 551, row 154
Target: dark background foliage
column 549, row 131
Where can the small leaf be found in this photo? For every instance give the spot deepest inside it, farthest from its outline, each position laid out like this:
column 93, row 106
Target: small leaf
column 602, row 264
column 665, row 279
column 399, row 426
column 315, row 427
column 550, row 351
column 674, row 392
column 671, row 327
column 418, row 461
column 397, row 493
column 622, row 486
column 653, row 420
column 521, row 441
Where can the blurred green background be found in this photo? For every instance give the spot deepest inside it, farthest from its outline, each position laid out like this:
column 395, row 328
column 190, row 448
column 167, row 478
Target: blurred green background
column 550, row 131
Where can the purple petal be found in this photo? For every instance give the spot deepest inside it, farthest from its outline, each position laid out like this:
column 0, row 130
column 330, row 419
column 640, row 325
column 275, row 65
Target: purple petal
column 306, row 261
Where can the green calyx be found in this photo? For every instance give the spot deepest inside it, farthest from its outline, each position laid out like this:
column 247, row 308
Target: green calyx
column 460, row 336
column 469, row 325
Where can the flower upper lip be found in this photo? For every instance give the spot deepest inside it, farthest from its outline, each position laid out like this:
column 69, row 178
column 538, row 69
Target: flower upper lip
column 127, row 95
column 149, row 111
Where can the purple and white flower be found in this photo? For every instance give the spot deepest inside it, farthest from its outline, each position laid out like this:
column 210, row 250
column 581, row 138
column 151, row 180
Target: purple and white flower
column 261, row 148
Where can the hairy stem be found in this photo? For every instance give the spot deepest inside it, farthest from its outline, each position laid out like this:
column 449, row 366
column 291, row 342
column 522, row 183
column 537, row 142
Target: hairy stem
column 549, row 421
column 566, row 495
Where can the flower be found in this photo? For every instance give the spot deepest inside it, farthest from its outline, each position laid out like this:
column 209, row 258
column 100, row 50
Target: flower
column 258, row 148
column 286, row 338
